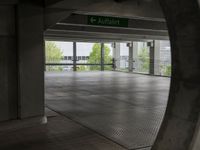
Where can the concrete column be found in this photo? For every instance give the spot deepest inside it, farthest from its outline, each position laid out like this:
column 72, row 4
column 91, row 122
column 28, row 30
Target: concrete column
column 130, row 62
column 8, row 64
column 152, row 58
column 135, row 55
column 157, row 57
column 74, row 56
column 31, row 60
column 102, row 56
column 116, row 54
column 154, row 66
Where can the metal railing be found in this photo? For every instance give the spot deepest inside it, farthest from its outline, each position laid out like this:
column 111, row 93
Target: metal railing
column 69, row 65
column 143, row 65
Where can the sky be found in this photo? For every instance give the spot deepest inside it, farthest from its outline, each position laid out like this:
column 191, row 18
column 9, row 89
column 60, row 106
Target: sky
column 83, row 48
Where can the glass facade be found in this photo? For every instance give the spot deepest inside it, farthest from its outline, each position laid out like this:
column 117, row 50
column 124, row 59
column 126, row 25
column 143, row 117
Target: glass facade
column 124, row 57
column 141, row 60
column 60, row 56
column 165, row 58
column 148, row 56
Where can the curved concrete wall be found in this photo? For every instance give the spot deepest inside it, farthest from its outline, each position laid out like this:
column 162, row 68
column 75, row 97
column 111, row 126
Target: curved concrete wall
column 180, row 121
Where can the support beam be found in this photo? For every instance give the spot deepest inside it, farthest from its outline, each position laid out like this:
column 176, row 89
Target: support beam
column 96, row 37
column 130, row 61
column 74, row 56
column 53, row 15
column 102, row 56
column 156, row 57
column 140, row 24
column 154, row 65
column 94, row 29
column 135, row 55
column 116, row 54
column 151, row 56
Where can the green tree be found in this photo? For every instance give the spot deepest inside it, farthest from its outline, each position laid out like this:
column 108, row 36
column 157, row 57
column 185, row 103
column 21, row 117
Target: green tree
column 95, row 57
column 53, row 55
column 166, row 70
column 144, row 59
column 82, row 68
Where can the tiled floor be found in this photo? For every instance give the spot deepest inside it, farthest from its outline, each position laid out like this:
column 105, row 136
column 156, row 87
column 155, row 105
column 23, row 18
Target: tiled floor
column 125, row 108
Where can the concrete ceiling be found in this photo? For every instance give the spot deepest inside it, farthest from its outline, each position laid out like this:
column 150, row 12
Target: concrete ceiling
column 61, row 35
column 76, row 27
column 146, row 19
column 147, row 9
column 68, row 19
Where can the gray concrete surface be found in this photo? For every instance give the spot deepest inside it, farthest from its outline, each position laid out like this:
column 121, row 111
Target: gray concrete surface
column 126, row 108
column 31, row 60
column 180, row 123
column 59, row 134
column 8, row 66
column 21, row 61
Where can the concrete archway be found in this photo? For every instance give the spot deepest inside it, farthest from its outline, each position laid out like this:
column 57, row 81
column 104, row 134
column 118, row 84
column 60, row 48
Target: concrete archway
column 180, row 122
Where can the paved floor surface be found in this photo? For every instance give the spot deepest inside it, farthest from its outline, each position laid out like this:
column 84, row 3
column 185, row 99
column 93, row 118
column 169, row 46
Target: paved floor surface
column 59, row 134
column 125, row 109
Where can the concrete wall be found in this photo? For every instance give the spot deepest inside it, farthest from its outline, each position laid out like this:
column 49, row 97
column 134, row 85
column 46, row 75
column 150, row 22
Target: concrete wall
column 8, row 64
column 180, row 122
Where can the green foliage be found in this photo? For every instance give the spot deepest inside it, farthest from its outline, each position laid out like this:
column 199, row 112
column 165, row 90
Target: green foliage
column 53, row 55
column 95, row 57
column 82, row 68
column 144, row 58
column 166, row 70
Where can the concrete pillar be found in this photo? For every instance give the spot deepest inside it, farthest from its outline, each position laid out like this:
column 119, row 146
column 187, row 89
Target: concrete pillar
column 154, row 65
column 135, row 55
column 8, row 64
column 102, row 56
column 31, row 60
column 130, row 61
column 151, row 56
column 74, row 56
column 157, row 57
column 116, row 54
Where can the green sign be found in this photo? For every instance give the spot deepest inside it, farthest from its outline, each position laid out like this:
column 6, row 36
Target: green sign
column 107, row 21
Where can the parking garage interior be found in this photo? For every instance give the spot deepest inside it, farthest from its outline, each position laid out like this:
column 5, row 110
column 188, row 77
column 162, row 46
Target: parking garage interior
column 99, row 75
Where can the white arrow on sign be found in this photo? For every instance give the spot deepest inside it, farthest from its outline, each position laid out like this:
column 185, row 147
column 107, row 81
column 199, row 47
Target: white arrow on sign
column 92, row 20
